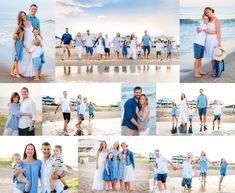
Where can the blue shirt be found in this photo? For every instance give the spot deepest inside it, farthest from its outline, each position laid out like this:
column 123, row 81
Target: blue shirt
column 173, row 111
column 169, row 48
column 202, row 101
column 13, row 116
column 78, row 42
column 146, row 40
column 130, row 158
column 223, row 168
column 34, row 21
column 90, row 109
column 129, row 113
column 66, row 38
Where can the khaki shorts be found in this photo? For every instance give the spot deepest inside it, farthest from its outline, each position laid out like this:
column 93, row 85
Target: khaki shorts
column 66, row 47
column 129, row 132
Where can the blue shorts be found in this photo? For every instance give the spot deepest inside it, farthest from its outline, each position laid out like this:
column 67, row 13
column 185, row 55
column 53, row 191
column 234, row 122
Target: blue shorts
column 91, row 115
column 173, row 115
column 223, row 173
column 81, row 117
column 162, row 178
column 159, row 53
column 190, row 117
column 187, row 182
column 89, row 50
column 198, row 51
column 217, row 117
column 37, row 62
column 202, row 111
column 155, row 177
column 146, row 48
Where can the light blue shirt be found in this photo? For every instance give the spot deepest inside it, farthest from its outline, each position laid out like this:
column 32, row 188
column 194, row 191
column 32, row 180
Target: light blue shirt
column 78, row 42
column 146, row 40
column 34, row 21
column 13, row 116
column 202, row 101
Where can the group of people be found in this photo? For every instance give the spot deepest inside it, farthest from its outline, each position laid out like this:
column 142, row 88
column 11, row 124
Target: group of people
column 136, row 115
column 103, row 45
column 207, row 43
column 28, row 54
column 161, row 171
column 186, row 112
column 22, row 115
column 114, row 167
column 50, row 169
column 81, row 108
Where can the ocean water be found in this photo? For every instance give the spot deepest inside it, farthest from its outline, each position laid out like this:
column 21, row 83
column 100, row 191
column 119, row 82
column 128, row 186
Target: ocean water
column 190, row 18
column 150, row 91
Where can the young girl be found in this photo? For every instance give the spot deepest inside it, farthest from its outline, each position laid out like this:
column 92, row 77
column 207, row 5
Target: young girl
column 203, row 160
column 108, row 172
column 18, row 49
column 117, row 45
column 190, row 118
column 133, row 47
column 169, row 49
column 91, row 111
column 139, row 51
column 78, row 45
column 174, row 116
column 183, row 117
column 121, row 165
column 124, row 50
column 223, row 171
column 100, row 42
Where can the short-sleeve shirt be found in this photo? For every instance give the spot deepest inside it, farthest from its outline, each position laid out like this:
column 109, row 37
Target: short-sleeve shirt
column 65, row 105
column 187, row 169
column 34, row 21
column 82, row 108
column 216, row 109
column 146, row 40
column 161, row 165
column 36, row 51
column 78, row 42
column 158, row 46
column 202, row 101
column 201, row 36
column 66, row 38
column 88, row 40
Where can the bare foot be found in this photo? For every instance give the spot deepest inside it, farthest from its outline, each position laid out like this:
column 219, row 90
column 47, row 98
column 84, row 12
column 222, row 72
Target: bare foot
column 203, row 73
column 197, row 76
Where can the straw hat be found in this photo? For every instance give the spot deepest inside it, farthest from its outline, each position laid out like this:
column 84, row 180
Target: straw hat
column 219, row 53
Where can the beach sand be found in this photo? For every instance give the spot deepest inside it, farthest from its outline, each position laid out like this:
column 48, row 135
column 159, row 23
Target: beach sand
column 3, row 119
column 86, row 174
column 125, row 70
column 48, row 70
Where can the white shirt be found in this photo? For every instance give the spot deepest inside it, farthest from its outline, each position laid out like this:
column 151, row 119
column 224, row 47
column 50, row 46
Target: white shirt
column 46, row 170
column 158, row 46
column 65, row 105
column 27, row 106
column 36, row 51
column 187, row 169
column 82, row 109
column 89, row 40
column 201, row 36
column 190, row 112
column 107, row 43
column 161, row 165
column 217, row 109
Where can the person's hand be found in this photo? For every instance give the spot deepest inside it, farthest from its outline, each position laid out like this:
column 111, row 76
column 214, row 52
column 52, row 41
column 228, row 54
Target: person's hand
column 108, row 173
column 141, row 128
column 137, row 110
column 198, row 30
column 15, row 53
column 97, row 167
column 219, row 44
column 31, row 128
column 54, row 177
column 174, row 168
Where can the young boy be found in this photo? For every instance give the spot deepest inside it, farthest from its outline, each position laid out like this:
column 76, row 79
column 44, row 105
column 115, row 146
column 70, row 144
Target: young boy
column 199, row 46
column 58, row 167
column 81, row 115
column 190, row 118
column 202, row 103
column 217, row 113
column 187, row 173
column 159, row 49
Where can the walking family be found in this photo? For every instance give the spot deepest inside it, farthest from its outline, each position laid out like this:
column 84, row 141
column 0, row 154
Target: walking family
column 136, row 115
column 22, row 115
column 28, row 54
column 186, row 113
column 114, row 168
column 50, row 169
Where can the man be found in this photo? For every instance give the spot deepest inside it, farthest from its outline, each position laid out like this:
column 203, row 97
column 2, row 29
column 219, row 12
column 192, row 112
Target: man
column 32, row 16
column 28, row 106
column 66, row 110
column 161, row 165
column 89, row 43
column 66, row 40
column 130, row 126
column 46, row 171
column 146, row 39
column 202, row 104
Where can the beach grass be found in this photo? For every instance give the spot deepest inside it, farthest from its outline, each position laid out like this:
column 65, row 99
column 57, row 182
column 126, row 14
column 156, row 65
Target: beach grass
column 73, row 183
column 5, row 163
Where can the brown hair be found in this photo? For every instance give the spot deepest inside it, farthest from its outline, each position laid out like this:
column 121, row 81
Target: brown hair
column 33, row 5
column 101, row 146
column 35, row 153
column 183, row 96
column 146, row 99
column 118, row 145
column 59, row 147
column 25, row 88
column 209, row 8
column 19, row 19
column 14, row 94
column 204, row 15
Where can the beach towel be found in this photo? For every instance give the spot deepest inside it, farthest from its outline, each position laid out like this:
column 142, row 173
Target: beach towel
column 218, row 67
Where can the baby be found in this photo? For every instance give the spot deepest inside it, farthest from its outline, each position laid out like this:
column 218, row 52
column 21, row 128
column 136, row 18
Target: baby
column 58, row 167
column 17, row 169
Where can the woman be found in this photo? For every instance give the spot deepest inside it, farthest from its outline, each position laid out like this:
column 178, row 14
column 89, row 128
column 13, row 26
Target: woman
column 130, row 166
column 183, row 115
column 133, row 47
column 117, row 44
column 143, row 114
column 78, row 45
column 213, row 38
column 100, row 163
column 33, row 168
column 26, row 68
column 100, row 42
column 115, row 151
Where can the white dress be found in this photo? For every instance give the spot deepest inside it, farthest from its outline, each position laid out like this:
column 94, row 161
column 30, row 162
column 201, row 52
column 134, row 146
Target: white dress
column 211, row 41
column 98, row 183
column 183, row 115
column 26, row 68
column 132, row 50
column 100, row 47
column 128, row 172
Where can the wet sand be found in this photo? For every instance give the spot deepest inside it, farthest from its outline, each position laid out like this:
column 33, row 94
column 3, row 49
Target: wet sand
column 48, row 70
column 140, row 185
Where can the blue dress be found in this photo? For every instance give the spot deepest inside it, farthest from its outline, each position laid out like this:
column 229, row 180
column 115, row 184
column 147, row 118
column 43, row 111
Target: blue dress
column 105, row 176
column 124, row 50
column 19, row 49
column 203, row 165
column 120, row 175
column 223, row 169
column 115, row 163
column 32, row 173
column 169, row 49
column 173, row 111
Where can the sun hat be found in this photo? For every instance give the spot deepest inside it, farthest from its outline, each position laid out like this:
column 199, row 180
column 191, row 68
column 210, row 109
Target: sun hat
column 219, row 54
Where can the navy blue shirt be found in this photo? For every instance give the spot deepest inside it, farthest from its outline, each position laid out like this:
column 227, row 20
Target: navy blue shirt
column 66, row 38
column 129, row 113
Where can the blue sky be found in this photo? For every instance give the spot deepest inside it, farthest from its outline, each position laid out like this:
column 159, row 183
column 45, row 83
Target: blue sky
column 126, row 16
